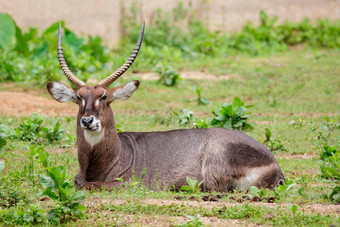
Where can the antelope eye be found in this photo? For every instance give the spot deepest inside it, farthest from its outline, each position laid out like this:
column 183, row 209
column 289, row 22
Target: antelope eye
column 103, row 97
column 78, row 97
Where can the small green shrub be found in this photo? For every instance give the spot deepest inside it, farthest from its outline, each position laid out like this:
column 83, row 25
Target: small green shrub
column 11, row 196
column 200, row 100
column 203, row 123
column 55, row 133
column 273, row 144
column 231, row 115
column 29, row 128
column 228, row 115
column 32, row 129
column 68, row 200
column 322, row 132
column 168, row 76
column 256, row 192
column 330, row 169
column 192, row 186
column 6, row 133
column 193, row 222
column 31, row 216
column 185, row 118
column 283, row 190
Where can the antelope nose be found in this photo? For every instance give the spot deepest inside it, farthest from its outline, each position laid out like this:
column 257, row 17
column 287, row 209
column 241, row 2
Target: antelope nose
column 87, row 121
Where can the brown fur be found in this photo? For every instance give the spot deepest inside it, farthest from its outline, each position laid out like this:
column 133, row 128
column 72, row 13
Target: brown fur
column 220, row 157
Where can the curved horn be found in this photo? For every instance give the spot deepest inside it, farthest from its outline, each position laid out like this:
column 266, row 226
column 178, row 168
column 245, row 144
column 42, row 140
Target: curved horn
column 110, row 79
column 72, row 78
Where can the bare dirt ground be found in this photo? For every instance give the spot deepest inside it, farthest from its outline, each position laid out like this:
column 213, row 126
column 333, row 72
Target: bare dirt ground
column 309, row 209
column 164, row 220
column 21, row 104
column 24, row 103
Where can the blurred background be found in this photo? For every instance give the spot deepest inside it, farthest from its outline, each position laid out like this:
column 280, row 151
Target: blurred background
column 98, row 36
column 102, row 18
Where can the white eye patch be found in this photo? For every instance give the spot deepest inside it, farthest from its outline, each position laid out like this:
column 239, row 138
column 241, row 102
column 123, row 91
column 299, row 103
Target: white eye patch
column 82, row 100
column 98, row 100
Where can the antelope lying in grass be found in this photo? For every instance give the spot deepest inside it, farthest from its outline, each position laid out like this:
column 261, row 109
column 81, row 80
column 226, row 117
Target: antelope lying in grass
column 222, row 158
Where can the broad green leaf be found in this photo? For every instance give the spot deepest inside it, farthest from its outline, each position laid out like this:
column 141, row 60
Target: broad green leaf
column 237, row 102
column 191, row 182
column 7, row 30
column 47, row 182
column 238, row 124
column 48, row 192
column 43, row 156
column 254, row 190
column 220, row 118
column 228, row 124
column 294, row 209
column 78, row 196
column 2, row 165
column 268, row 134
column 21, row 44
column 57, row 173
column 186, row 188
column 2, row 142
column 43, row 49
column 53, row 28
column 81, row 207
column 239, row 111
column 73, row 41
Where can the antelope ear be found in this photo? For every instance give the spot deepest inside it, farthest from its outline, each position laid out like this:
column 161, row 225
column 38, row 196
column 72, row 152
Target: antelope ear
column 124, row 92
column 61, row 92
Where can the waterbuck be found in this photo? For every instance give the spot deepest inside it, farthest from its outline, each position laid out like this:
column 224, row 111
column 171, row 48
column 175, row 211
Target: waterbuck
column 222, row 158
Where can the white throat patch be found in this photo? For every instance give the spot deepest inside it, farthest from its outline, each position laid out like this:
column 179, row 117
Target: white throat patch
column 93, row 138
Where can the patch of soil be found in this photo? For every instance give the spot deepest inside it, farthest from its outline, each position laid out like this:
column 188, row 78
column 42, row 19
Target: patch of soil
column 323, row 209
column 265, row 122
column 166, row 220
column 72, row 150
column 23, row 104
column 300, row 114
column 159, row 220
column 309, row 209
column 296, row 156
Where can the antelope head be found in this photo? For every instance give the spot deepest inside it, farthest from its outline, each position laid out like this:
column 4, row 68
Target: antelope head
column 94, row 102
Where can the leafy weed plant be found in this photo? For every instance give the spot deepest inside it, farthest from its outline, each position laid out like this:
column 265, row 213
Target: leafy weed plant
column 185, row 118
column 32, row 129
column 330, row 169
column 168, row 76
column 256, row 192
column 200, row 100
column 193, row 186
column 194, row 221
column 68, row 200
column 273, row 144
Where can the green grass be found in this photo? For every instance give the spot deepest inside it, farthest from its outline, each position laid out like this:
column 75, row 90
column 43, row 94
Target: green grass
column 299, row 86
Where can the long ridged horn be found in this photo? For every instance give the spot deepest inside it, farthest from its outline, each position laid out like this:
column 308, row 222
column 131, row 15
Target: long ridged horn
column 110, row 79
column 72, row 78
